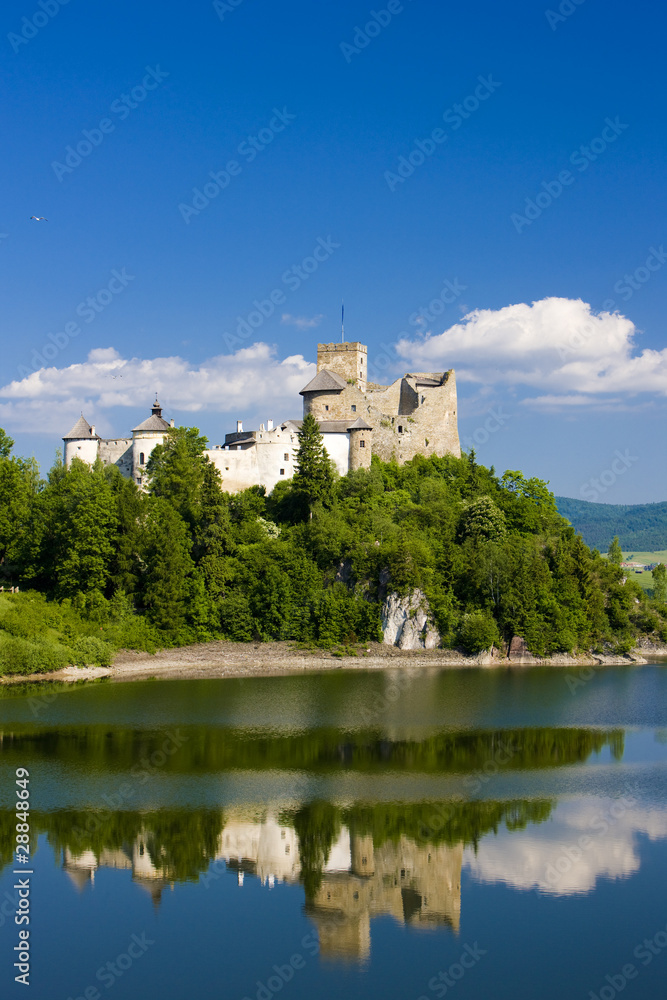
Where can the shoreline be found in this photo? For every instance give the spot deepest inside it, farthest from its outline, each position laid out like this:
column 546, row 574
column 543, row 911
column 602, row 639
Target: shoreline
column 220, row 658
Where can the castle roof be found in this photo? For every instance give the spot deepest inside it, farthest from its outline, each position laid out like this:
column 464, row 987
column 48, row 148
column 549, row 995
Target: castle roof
column 325, row 381
column 359, row 425
column 153, row 423
column 81, row 430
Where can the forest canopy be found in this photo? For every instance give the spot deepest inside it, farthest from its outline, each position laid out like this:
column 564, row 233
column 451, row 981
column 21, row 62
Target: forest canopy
column 102, row 564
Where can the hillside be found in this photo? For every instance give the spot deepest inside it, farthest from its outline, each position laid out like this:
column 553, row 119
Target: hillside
column 640, row 527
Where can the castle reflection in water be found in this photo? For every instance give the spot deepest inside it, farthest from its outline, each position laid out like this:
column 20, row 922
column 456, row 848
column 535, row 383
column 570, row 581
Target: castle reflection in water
column 416, row 884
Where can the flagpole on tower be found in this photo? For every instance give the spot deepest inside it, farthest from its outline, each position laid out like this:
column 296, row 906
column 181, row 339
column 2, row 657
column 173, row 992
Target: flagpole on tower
column 342, row 323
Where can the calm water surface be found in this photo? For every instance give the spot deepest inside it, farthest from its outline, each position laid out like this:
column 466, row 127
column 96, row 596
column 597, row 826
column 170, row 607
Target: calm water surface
column 392, row 835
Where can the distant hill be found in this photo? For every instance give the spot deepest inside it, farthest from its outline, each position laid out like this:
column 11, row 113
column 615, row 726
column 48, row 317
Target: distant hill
column 640, row 527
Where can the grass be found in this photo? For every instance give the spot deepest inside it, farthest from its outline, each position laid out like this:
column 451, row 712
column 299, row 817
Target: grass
column 645, row 580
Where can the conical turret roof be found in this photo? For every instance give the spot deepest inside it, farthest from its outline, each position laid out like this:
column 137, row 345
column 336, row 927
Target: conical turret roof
column 82, row 430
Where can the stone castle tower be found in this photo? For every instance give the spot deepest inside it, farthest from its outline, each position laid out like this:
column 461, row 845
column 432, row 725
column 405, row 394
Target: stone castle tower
column 415, row 415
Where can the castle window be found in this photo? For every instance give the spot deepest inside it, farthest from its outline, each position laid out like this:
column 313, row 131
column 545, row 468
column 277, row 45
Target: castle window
column 400, row 428
column 362, row 444
column 286, row 848
column 282, row 472
column 354, row 408
column 326, row 407
column 141, row 458
column 286, row 456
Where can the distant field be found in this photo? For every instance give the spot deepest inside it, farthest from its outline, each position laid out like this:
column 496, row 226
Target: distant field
column 645, row 580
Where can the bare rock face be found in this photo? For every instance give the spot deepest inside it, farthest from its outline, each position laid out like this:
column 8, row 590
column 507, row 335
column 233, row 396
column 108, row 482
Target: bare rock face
column 406, row 622
column 519, row 652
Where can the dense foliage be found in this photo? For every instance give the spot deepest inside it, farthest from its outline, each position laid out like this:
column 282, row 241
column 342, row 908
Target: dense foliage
column 640, row 527
column 108, row 565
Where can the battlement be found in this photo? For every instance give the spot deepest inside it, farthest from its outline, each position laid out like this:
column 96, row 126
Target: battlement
column 349, row 360
column 352, row 345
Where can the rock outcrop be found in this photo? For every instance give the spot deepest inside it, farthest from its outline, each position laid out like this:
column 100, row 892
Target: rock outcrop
column 407, row 623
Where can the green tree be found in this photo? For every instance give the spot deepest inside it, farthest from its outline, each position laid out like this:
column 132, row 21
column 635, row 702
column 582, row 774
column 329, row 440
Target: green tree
column 615, row 552
column 660, row 583
column 314, row 479
column 167, row 582
column 176, row 472
column 482, row 518
column 6, row 444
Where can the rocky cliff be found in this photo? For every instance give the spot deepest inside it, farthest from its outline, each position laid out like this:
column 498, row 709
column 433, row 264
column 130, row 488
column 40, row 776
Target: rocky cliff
column 407, row 622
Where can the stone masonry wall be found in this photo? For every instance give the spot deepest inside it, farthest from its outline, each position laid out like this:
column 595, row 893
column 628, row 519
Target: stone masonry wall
column 350, row 361
column 427, row 428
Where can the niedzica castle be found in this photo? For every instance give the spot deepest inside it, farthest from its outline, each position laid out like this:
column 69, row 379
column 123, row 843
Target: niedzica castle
column 415, row 415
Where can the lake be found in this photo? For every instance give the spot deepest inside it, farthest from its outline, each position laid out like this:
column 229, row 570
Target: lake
column 392, row 834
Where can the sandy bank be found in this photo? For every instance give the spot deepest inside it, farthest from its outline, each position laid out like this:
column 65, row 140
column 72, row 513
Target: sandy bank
column 239, row 659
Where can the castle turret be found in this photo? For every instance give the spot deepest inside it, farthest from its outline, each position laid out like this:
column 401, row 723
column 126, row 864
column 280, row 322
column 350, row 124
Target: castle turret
column 361, row 444
column 81, row 442
column 145, row 437
column 350, row 361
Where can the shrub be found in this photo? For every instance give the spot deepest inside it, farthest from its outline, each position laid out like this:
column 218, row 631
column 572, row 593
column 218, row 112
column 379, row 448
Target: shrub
column 478, row 631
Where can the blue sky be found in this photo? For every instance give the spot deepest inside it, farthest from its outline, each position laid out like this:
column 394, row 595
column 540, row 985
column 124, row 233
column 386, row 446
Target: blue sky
column 544, row 186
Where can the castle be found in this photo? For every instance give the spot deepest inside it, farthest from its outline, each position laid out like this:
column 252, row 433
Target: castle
column 415, row 415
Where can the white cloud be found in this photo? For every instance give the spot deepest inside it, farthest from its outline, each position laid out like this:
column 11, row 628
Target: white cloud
column 302, row 322
column 251, row 378
column 552, row 858
column 576, row 357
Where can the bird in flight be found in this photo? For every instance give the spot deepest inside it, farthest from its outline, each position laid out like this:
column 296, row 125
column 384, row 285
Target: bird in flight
column 39, row 218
